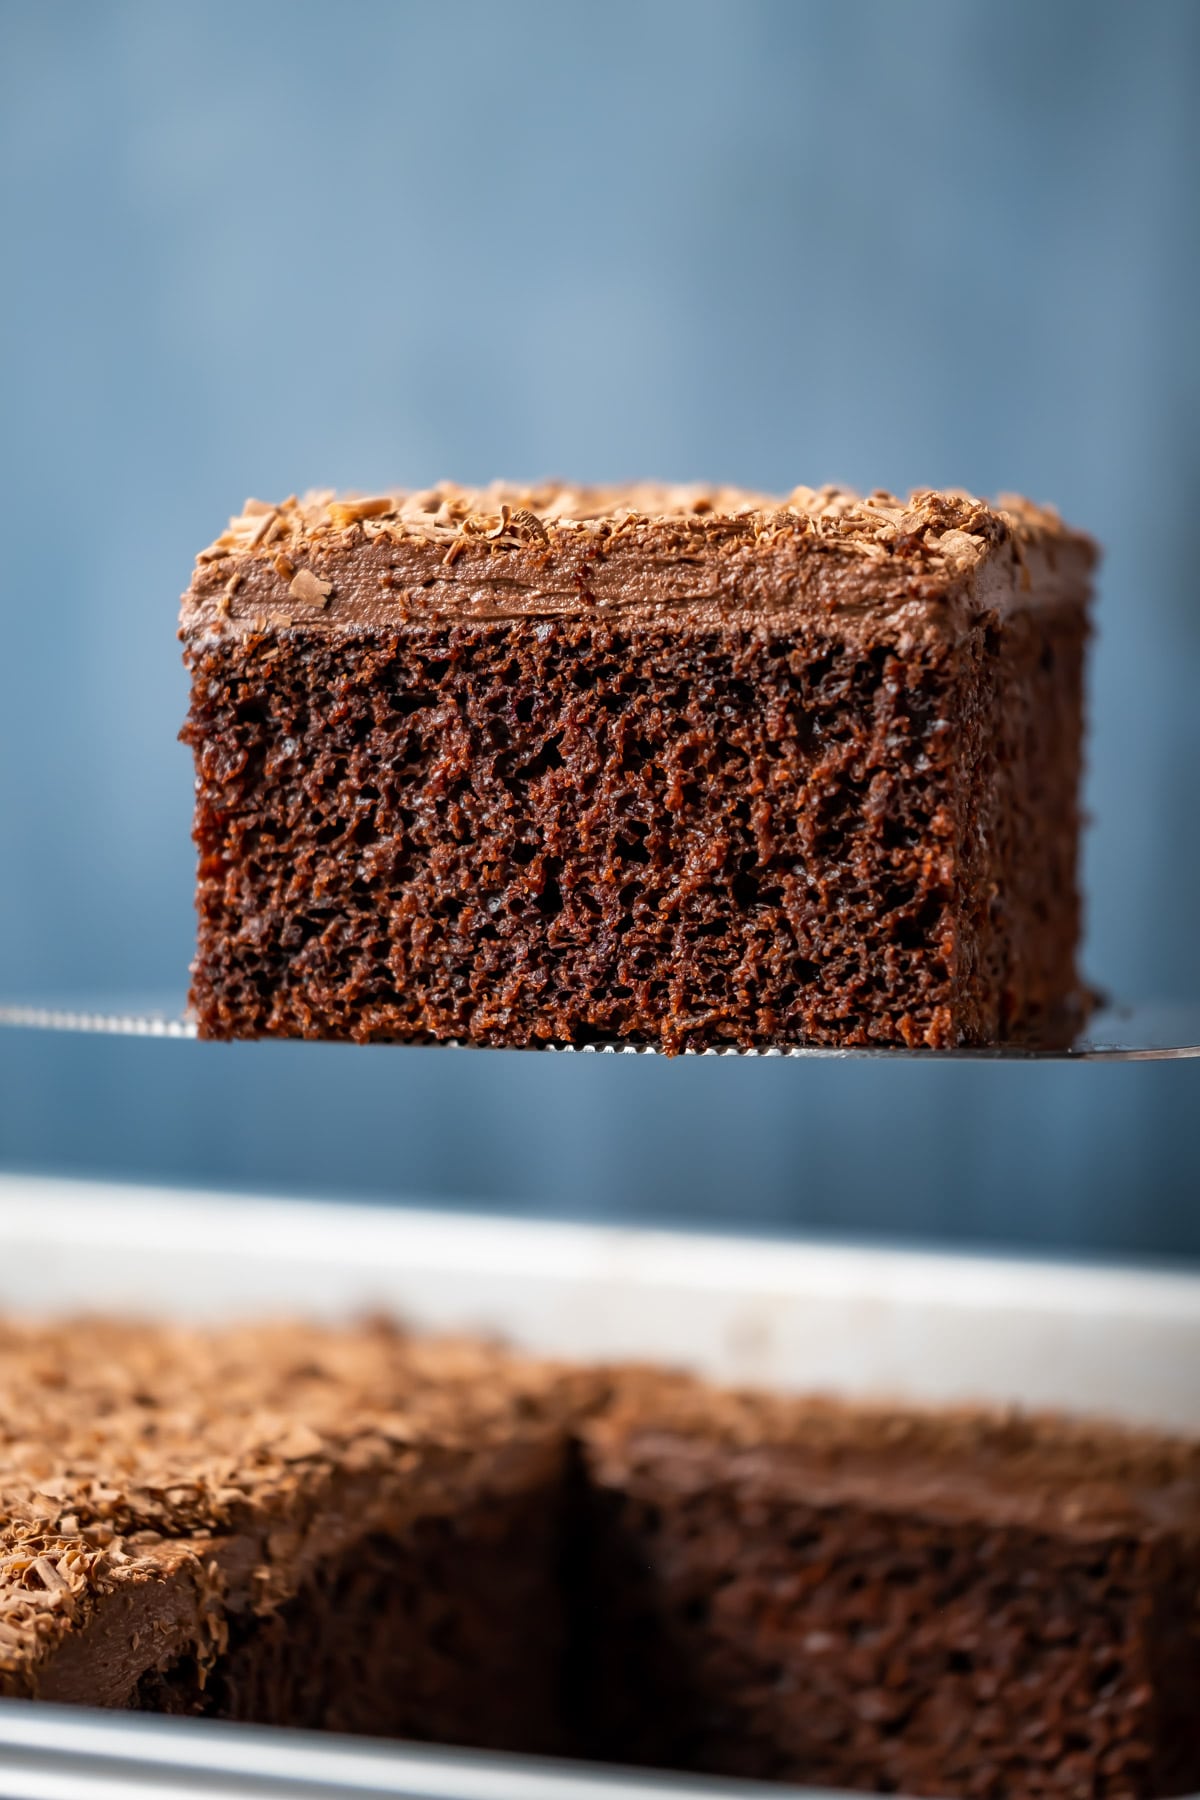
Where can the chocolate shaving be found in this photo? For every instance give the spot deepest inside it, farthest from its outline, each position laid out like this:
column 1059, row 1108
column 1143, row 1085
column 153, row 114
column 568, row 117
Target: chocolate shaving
column 528, row 523
column 299, row 1444
column 225, row 603
column 265, row 529
column 350, row 511
column 310, row 589
column 51, row 1580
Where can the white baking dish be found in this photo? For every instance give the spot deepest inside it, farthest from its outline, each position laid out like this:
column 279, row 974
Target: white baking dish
column 1124, row 1343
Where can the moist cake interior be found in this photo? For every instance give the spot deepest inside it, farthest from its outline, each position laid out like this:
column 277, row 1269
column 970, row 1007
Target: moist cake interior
column 455, row 1637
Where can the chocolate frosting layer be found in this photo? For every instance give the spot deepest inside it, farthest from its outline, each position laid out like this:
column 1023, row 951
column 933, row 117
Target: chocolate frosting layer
column 703, row 555
column 1048, row 1473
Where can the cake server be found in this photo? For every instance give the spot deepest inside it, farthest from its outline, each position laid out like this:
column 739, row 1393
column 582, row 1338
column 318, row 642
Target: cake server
column 1148, row 1033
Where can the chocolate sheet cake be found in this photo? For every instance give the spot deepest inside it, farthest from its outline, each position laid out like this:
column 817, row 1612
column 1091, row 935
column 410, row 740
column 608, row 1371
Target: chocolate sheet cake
column 674, row 767
column 349, row 1529
column 343, row 1530
column 959, row 1604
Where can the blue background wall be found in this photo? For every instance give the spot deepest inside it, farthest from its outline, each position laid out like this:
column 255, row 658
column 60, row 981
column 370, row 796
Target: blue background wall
column 254, row 246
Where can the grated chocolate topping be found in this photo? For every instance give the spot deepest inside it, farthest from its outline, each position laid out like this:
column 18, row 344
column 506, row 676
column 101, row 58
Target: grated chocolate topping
column 509, row 551
column 952, row 526
column 130, row 1454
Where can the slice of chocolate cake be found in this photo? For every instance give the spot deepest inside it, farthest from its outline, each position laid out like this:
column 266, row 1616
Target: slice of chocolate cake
column 284, row 1525
column 959, row 1604
column 673, row 767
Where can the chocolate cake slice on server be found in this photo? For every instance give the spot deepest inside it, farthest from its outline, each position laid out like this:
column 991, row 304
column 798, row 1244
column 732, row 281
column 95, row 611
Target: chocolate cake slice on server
column 674, row 767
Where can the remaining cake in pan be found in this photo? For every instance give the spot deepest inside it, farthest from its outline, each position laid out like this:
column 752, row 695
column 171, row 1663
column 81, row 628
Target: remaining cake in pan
column 907, row 1603
column 677, row 767
column 354, row 1530
column 291, row 1526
